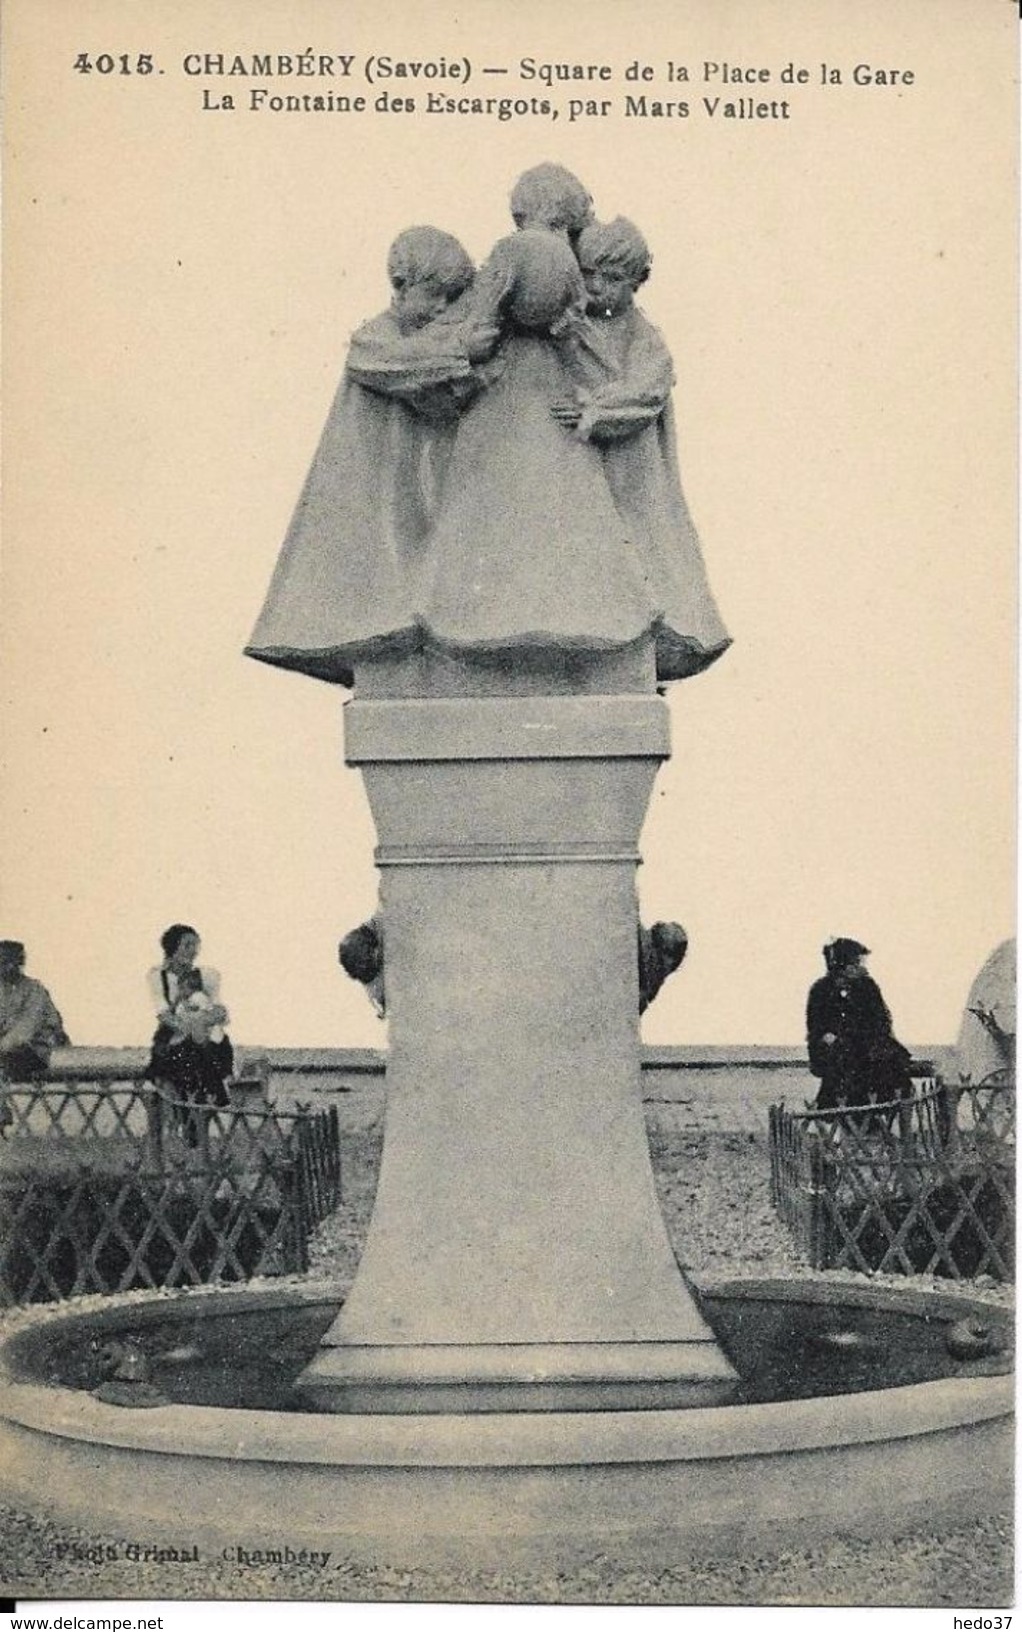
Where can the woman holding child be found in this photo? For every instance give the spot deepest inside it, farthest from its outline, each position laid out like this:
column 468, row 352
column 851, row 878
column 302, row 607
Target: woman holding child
column 191, row 1054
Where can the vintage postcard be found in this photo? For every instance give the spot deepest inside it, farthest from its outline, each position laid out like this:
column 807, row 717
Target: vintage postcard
column 509, row 553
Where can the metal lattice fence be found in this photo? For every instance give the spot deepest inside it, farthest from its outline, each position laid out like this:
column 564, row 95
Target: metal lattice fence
column 919, row 1186
column 106, row 1186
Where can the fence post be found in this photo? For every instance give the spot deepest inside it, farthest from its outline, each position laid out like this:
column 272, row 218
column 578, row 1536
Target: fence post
column 947, row 1114
column 299, row 1212
column 336, row 1189
column 818, row 1206
column 153, row 1100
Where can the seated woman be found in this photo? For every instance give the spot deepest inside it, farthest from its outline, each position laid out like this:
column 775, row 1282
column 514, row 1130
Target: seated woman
column 622, row 405
column 347, row 577
column 193, row 1062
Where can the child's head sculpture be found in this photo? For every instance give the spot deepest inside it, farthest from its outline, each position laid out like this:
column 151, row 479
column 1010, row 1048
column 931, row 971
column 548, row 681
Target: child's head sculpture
column 550, row 198
column 615, row 261
column 428, row 270
column 543, row 284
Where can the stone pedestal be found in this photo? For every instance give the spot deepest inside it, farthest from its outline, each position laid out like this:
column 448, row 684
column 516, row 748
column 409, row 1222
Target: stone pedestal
column 516, row 1258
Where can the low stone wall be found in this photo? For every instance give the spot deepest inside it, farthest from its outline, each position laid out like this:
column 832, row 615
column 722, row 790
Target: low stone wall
column 371, row 1062
column 722, row 1087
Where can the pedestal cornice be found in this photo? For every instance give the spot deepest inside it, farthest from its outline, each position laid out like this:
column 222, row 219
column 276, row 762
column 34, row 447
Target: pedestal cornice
column 513, row 728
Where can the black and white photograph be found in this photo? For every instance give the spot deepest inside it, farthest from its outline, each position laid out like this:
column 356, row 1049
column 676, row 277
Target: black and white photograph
column 508, row 813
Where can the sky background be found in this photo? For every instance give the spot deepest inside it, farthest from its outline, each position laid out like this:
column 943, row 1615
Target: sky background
column 838, row 291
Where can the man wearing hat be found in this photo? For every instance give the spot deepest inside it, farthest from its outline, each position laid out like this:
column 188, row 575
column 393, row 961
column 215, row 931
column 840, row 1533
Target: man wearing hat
column 30, row 1024
column 852, row 1048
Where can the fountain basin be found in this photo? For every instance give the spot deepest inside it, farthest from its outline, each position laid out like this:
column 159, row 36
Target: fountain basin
column 773, row 1472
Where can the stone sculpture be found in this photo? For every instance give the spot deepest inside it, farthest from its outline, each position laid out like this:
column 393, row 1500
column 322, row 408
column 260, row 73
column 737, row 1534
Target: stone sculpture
column 498, row 477
column 484, row 546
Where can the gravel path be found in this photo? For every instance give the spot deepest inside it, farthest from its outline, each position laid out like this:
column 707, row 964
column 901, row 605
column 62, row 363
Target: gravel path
column 961, row 1568
column 714, row 1191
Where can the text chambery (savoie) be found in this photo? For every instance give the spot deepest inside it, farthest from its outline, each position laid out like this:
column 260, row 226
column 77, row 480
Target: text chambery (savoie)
column 373, row 68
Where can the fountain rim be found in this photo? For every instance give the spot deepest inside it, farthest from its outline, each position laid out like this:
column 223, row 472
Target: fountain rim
column 499, row 1439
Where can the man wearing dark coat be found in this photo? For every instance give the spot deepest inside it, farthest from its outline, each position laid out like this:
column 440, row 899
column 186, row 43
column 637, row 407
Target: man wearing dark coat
column 852, row 1048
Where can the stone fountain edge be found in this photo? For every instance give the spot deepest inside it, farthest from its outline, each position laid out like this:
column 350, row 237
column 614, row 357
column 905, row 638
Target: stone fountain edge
column 708, row 1479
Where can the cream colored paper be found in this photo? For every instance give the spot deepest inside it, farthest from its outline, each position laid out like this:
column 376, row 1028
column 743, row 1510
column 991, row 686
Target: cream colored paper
column 837, row 288
column 836, row 278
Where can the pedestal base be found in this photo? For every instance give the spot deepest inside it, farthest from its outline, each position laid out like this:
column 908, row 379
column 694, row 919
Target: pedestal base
column 457, row 1377
column 516, row 1259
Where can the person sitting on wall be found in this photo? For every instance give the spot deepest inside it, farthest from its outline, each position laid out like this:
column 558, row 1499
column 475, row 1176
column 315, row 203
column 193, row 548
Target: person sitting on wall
column 662, row 950
column 30, row 1023
column 360, row 955
column 192, row 1062
column 852, row 1047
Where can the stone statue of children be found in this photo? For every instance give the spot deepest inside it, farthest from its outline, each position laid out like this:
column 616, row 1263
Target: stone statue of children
column 528, row 552
column 623, row 407
column 346, row 581
column 549, row 198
